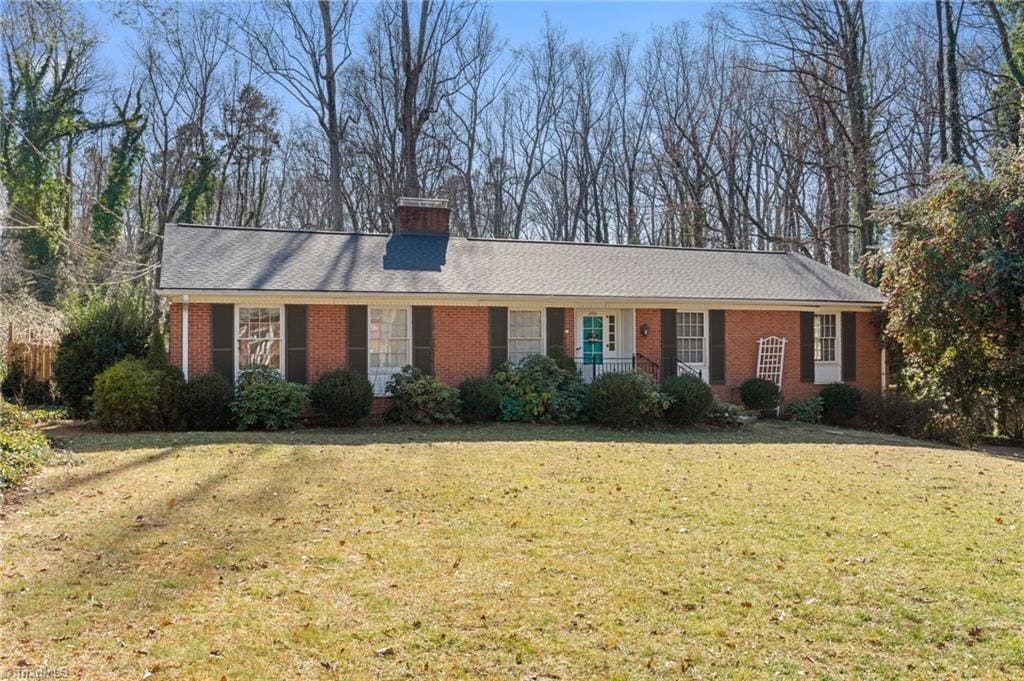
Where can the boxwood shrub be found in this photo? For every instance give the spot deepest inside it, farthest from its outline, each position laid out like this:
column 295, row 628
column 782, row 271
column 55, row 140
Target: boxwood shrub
column 480, row 399
column 689, row 399
column 134, row 395
column 626, row 400
column 342, row 396
column 208, row 402
column 839, row 403
column 759, row 394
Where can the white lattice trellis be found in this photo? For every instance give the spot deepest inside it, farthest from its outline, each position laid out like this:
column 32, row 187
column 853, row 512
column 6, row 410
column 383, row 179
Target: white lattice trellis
column 771, row 352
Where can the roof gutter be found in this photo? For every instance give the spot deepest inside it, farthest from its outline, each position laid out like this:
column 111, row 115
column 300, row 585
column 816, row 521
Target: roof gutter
column 213, row 295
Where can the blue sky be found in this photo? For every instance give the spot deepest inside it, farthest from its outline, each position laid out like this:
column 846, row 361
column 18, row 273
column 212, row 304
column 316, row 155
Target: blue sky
column 518, row 22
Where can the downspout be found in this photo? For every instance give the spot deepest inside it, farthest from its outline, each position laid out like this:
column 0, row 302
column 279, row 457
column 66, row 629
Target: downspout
column 184, row 336
column 885, row 374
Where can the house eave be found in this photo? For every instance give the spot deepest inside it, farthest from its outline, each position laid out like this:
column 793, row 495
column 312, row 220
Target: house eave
column 175, row 295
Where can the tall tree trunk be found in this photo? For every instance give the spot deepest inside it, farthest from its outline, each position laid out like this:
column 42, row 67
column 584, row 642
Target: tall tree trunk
column 956, row 139
column 333, row 127
column 940, row 72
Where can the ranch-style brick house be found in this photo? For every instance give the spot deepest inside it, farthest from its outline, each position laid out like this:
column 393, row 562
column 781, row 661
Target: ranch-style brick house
column 308, row 302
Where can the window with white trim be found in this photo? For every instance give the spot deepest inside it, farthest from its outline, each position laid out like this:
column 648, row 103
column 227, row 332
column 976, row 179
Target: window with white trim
column 525, row 334
column 259, row 337
column 690, row 337
column 824, row 338
column 389, row 344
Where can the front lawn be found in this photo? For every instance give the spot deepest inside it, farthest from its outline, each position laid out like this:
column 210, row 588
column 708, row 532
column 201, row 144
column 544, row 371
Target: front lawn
column 515, row 552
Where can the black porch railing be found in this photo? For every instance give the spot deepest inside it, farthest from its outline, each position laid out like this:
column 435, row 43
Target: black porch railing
column 590, row 367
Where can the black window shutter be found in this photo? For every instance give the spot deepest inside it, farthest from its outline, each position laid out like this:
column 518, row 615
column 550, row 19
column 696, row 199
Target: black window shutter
column 423, row 338
column 222, row 339
column 849, row 348
column 669, row 345
column 716, row 346
column 357, row 332
column 497, row 324
column 807, row 347
column 295, row 343
column 556, row 328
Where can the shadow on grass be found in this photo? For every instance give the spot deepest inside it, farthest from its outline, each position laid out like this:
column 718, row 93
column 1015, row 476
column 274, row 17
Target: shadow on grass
column 765, row 431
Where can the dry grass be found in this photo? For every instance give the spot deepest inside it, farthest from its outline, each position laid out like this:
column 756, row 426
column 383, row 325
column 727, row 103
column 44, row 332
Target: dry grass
column 516, row 552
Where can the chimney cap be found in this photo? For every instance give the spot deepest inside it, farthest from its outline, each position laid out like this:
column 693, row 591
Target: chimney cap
column 417, row 202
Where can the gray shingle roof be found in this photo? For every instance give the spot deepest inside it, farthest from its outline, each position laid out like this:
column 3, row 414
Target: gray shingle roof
column 197, row 258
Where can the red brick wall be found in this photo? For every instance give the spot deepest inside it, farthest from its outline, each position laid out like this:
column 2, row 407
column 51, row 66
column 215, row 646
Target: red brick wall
column 421, row 220
column 199, row 360
column 649, row 347
column 461, row 345
column 569, row 332
column 326, row 342
column 744, row 327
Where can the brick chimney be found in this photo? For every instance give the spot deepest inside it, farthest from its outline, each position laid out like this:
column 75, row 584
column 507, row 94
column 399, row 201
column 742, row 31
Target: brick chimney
column 422, row 216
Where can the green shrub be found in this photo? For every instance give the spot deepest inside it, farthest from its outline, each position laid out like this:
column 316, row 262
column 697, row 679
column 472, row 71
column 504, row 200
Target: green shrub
column 171, row 396
column 759, row 394
column 839, row 403
column 480, row 399
column 627, row 400
column 538, row 390
column 920, row 419
column 806, row 410
column 101, row 330
column 263, row 399
column 722, row 414
column 208, row 402
column 562, row 359
column 689, row 399
column 22, row 448
column 126, row 396
column 420, row 398
column 342, row 396
column 20, row 386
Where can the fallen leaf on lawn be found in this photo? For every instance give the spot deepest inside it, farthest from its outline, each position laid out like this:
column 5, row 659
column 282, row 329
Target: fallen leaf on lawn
column 216, row 653
column 386, row 651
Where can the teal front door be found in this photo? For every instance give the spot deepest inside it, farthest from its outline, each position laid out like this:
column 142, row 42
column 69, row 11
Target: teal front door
column 593, row 340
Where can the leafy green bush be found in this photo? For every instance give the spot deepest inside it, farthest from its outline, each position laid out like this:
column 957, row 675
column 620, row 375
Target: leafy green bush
column 920, row 419
column 420, row 398
column 689, row 399
column 538, row 390
column 342, row 396
column 208, row 402
column 133, row 395
column 480, row 399
column 562, row 359
column 22, row 448
column 627, row 400
column 722, row 414
column 19, row 385
column 263, row 399
column 839, row 403
column 101, row 330
column 806, row 410
column 757, row 393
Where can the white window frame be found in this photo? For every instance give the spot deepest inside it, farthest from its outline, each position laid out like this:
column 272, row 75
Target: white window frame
column 379, row 380
column 704, row 338
column 543, row 331
column 835, row 338
column 255, row 306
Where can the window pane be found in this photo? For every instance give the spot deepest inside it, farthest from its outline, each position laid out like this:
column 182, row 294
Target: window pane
column 524, row 334
column 825, row 338
column 690, row 337
column 259, row 337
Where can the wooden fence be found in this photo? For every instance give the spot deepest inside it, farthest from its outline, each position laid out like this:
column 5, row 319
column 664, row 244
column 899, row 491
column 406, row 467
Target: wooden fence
column 34, row 354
